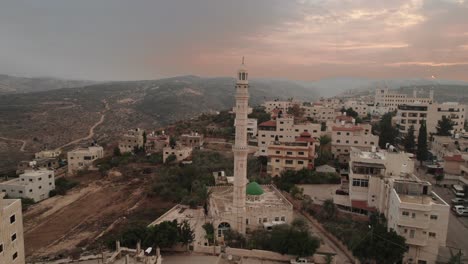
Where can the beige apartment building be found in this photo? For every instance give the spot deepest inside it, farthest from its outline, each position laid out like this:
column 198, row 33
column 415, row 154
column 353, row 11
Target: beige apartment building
column 83, row 158
column 384, row 182
column 276, row 104
column 156, row 143
column 393, row 99
column 33, row 184
column 415, row 114
column 291, row 155
column 420, row 216
column 320, row 112
column 42, row 163
column 131, row 140
column 180, row 152
column 442, row 146
column 284, row 129
column 252, row 128
column 11, row 231
column 345, row 136
column 193, row 139
column 358, row 106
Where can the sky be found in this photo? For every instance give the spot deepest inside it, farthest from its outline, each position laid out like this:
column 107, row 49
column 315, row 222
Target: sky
column 292, row 39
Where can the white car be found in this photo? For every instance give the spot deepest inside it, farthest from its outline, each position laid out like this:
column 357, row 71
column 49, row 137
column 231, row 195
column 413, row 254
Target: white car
column 459, row 201
column 460, row 210
column 300, row 261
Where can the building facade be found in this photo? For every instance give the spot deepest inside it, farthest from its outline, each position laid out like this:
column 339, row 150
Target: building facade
column 11, row 231
column 284, row 129
column 393, row 99
column 83, row 158
column 416, row 113
column 180, row 152
column 44, row 154
column 252, row 128
column 294, row 156
column 131, row 140
column 33, row 184
column 193, row 139
column 345, row 136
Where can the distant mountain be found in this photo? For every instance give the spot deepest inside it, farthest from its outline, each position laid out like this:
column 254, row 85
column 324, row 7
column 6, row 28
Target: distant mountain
column 11, row 84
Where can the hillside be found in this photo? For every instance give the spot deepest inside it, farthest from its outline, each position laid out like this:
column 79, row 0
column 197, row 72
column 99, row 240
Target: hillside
column 53, row 118
column 12, row 84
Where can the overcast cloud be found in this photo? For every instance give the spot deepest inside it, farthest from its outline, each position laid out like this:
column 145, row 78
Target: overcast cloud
column 306, row 40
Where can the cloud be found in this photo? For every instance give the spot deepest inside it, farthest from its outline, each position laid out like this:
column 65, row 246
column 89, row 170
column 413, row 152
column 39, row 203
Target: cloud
column 303, row 39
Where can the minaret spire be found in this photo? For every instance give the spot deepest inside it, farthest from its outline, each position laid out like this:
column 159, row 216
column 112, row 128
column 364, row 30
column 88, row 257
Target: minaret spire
column 240, row 149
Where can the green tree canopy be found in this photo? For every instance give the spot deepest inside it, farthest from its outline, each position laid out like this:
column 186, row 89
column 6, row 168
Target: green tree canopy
column 387, row 133
column 444, row 126
column 421, row 153
column 409, row 140
column 380, row 245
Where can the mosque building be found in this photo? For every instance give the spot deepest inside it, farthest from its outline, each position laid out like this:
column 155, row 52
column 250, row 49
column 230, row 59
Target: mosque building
column 246, row 206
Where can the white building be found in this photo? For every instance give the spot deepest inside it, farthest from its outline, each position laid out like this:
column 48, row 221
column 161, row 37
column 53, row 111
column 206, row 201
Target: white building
column 33, row 184
column 358, row 106
column 416, row 113
column 320, row 112
column 277, row 104
column 11, row 231
column 384, row 182
column 393, row 99
column 252, row 128
column 83, row 158
column 284, row 129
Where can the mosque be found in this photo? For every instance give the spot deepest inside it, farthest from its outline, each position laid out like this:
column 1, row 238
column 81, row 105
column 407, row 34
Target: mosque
column 246, row 206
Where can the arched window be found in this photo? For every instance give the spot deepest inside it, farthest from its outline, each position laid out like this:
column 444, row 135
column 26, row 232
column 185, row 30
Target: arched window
column 240, row 78
column 223, row 227
column 246, row 76
column 243, row 76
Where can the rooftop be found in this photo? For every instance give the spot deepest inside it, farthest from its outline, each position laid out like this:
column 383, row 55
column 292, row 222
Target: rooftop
column 270, row 123
column 422, row 199
column 222, row 196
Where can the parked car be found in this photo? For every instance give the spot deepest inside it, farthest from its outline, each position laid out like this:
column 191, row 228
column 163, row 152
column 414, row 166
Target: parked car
column 459, row 201
column 460, row 210
column 300, row 261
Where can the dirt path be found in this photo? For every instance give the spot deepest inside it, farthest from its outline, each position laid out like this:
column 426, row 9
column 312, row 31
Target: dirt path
column 80, row 216
column 91, row 129
column 23, row 146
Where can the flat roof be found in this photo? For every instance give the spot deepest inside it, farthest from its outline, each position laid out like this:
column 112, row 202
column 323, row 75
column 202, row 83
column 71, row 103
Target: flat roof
column 222, row 198
column 433, row 198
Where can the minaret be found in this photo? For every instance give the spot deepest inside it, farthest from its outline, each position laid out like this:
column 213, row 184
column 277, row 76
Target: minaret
column 240, row 148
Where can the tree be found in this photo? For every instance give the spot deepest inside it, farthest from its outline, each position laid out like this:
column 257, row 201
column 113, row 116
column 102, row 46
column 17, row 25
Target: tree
column 117, row 152
column 439, row 177
column 444, row 126
column 409, row 140
column 209, row 230
column 388, row 133
column 421, row 153
column 380, row 245
column 144, row 139
column 324, row 153
column 172, row 142
column 186, row 234
column 329, row 209
column 457, row 258
column 296, row 110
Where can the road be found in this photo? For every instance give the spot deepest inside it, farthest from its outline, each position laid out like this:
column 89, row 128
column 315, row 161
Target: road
column 91, row 129
column 23, row 146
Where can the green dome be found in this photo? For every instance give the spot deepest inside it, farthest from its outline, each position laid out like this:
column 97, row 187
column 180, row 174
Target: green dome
column 254, row 188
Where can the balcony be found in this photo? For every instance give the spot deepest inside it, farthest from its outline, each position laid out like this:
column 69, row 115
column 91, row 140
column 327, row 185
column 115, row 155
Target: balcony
column 418, row 222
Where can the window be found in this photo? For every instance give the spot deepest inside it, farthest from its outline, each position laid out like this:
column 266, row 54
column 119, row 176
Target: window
column 277, row 152
column 277, row 218
column 1, row 248
column 12, row 219
column 283, row 218
column 338, row 133
column 13, row 237
column 433, row 217
column 15, row 255
column 411, row 233
column 50, row 176
column 432, row 234
column 405, row 213
column 246, row 221
column 265, row 220
column 301, row 153
column 289, row 162
column 413, row 215
column 289, row 153
column 360, row 182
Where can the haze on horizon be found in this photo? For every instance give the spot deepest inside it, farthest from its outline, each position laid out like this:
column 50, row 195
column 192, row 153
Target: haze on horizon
column 303, row 39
